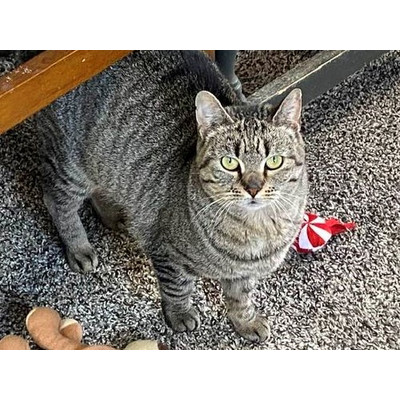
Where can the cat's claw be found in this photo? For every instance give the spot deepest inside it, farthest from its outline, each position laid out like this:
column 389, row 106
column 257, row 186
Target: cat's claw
column 256, row 331
column 82, row 260
column 183, row 321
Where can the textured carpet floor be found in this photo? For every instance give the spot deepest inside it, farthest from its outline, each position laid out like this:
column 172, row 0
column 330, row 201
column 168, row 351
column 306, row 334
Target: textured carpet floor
column 259, row 67
column 346, row 296
column 11, row 59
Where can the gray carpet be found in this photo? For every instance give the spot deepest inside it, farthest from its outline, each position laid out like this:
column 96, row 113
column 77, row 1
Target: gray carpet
column 11, row 59
column 345, row 296
column 259, row 67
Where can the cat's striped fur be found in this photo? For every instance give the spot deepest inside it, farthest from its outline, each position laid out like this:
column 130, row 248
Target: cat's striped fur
column 128, row 140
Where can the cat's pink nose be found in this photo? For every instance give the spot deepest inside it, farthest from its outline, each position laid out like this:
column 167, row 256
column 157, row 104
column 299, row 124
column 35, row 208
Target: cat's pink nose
column 252, row 183
column 253, row 191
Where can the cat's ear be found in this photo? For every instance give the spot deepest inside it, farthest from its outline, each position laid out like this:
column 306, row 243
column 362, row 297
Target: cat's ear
column 289, row 112
column 209, row 111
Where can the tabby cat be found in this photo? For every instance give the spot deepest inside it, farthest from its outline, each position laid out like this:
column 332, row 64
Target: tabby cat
column 210, row 186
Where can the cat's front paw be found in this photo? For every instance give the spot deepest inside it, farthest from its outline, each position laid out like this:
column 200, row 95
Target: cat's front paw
column 83, row 259
column 256, row 330
column 182, row 321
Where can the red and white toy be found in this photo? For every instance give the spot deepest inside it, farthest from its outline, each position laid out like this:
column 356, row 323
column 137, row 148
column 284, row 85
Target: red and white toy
column 316, row 231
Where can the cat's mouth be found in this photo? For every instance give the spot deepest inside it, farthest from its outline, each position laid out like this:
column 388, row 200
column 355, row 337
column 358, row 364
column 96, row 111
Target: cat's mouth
column 254, row 204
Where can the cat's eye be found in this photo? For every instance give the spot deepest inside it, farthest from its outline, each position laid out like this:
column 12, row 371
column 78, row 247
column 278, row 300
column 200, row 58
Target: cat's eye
column 274, row 162
column 230, row 163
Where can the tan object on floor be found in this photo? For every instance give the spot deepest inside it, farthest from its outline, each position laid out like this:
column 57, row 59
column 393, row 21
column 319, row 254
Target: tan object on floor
column 50, row 332
column 12, row 342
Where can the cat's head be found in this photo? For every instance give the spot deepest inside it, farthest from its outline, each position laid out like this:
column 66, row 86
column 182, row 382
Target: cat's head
column 246, row 155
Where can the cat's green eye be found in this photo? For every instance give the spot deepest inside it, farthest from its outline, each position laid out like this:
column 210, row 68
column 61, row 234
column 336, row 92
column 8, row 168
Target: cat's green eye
column 230, row 163
column 274, row 162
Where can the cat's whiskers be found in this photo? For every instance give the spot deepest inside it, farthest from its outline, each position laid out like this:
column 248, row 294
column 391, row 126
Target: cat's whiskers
column 282, row 208
column 295, row 208
column 274, row 210
column 220, row 213
column 293, row 196
column 207, row 206
column 222, row 197
column 289, row 202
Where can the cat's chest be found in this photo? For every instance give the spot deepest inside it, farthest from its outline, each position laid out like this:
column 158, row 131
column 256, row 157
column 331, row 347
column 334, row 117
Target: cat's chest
column 255, row 246
column 245, row 253
column 254, row 242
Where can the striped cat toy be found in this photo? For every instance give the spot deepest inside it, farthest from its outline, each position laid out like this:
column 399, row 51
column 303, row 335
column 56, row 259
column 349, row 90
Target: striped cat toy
column 316, row 231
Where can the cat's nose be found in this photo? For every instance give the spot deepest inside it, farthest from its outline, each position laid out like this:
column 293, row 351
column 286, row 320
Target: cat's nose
column 253, row 191
column 252, row 183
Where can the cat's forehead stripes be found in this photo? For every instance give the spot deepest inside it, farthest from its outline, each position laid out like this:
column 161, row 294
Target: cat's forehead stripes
column 237, row 147
column 262, row 147
column 248, row 145
column 251, row 136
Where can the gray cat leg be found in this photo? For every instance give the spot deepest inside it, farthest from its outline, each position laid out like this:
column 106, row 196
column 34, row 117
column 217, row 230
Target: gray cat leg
column 110, row 214
column 64, row 211
column 241, row 310
column 176, row 289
